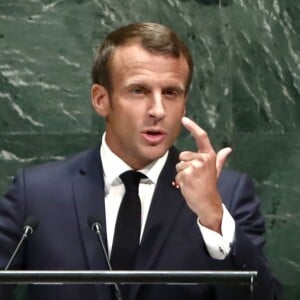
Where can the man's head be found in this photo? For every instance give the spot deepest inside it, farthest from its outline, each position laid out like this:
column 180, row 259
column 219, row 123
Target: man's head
column 153, row 37
column 141, row 78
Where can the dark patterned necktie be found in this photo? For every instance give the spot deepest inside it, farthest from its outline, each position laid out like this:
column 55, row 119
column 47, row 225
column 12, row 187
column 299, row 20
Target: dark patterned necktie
column 128, row 225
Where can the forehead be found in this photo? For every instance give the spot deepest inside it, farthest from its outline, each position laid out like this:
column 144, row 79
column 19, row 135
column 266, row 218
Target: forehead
column 131, row 59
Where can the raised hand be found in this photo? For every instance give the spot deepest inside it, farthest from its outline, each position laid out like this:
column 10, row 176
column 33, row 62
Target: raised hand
column 197, row 174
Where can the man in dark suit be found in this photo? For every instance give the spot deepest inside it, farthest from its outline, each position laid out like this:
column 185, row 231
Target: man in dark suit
column 192, row 214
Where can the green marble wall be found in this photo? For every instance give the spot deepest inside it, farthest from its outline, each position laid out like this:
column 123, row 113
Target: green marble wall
column 245, row 92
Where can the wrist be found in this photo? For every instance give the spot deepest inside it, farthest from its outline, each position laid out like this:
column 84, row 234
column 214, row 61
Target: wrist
column 213, row 219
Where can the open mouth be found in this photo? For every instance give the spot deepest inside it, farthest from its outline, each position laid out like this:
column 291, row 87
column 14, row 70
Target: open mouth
column 154, row 137
column 154, row 133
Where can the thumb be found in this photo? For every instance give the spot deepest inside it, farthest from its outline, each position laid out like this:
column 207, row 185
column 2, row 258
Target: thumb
column 221, row 158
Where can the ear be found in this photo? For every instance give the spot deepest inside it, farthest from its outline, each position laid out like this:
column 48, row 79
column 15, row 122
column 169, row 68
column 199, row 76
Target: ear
column 100, row 99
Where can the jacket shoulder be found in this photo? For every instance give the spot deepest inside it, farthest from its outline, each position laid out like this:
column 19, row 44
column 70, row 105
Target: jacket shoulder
column 59, row 169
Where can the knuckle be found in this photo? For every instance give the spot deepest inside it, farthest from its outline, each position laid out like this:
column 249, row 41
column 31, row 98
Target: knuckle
column 202, row 134
column 188, row 170
column 185, row 155
column 196, row 164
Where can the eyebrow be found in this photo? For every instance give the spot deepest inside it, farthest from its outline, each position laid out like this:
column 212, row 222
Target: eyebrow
column 177, row 88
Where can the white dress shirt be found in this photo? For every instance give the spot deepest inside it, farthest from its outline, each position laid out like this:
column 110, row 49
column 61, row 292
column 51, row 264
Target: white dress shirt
column 217, row 245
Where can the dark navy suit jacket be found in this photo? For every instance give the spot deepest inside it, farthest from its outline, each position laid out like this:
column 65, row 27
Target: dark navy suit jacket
column 62, row 195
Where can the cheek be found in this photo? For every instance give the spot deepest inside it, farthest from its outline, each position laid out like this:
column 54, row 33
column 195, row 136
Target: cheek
column 175, row 122
column 177, row 107
column 176, row 114
column 127, row 123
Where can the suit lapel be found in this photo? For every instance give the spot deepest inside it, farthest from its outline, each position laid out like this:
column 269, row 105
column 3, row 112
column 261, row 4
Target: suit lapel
column 88, row 191
column 166, row 203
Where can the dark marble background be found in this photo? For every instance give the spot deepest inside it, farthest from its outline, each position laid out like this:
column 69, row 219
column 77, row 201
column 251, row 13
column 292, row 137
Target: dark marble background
column 245, row 92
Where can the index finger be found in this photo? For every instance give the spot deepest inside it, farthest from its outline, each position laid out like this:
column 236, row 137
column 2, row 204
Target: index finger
column 200, row 135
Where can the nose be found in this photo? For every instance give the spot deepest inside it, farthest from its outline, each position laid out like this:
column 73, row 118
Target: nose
column 156, row 108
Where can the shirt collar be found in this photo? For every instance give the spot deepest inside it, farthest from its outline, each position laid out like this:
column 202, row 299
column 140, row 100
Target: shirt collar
column 113, row 166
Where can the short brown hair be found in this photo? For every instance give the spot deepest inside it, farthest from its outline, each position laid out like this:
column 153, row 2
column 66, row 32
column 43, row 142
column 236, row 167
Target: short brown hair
column 153, row 37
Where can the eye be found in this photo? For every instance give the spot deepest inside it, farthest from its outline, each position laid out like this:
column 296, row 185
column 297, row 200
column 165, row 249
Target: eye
column 138, row 91
column 171, row 93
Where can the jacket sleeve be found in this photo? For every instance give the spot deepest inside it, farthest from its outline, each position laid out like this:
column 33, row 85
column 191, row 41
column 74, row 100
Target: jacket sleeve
column 247, row 249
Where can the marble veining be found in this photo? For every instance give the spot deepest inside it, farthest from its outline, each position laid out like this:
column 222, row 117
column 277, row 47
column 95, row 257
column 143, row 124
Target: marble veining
column 245, row 93
column 19, row 110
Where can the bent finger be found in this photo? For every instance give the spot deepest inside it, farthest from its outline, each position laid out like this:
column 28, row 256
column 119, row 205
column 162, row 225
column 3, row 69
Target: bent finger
column 221, row 158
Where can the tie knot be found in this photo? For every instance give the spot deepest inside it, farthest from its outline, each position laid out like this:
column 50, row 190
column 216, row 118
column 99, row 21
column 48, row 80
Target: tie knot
column 131, row 179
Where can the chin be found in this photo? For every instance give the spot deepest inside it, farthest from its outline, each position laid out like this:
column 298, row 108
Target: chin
column 154, row 154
